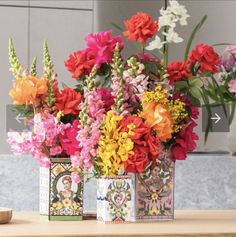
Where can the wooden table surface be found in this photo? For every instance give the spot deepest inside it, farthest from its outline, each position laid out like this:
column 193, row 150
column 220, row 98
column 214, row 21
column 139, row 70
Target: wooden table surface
column 186, row 223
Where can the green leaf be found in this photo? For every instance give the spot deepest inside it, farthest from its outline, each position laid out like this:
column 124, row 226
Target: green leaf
column 117, row 26
column 195, row 92
column 194, row 101
column 192, row 36
column 220, row 95
column 180, row 85
column 195, row 82
column 152, row 66
column 208, row 107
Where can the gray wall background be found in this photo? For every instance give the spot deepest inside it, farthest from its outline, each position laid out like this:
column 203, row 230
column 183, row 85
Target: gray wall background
column 202, row 182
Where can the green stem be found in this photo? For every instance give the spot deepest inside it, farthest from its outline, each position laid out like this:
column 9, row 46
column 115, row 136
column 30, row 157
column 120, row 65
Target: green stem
column 143, row 50
column 166, row 52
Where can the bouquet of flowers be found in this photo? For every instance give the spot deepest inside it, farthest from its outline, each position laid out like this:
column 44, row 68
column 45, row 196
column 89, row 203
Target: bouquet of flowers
column 123, row 113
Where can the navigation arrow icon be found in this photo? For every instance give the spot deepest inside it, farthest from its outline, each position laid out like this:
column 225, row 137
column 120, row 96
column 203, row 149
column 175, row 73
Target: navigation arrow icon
column 19, row 118
column 217, row 118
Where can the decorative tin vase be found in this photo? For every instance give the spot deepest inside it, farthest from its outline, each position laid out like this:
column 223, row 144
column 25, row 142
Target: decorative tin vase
column 60, row 198
column 114, row 194
column 154, row 192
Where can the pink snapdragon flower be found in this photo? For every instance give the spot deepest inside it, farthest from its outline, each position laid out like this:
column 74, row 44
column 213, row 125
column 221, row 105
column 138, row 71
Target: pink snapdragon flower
column 88, row 135
column 232, row 86
column 101, row 46
column 77, row 179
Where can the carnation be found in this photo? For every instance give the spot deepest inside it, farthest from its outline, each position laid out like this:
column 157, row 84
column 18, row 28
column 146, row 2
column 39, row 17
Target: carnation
column 68, row 139
column 101, row 46
column 185, row 142
column 146, row 145
column 140, row 27
column 206, row 56
column 177, row 71
column 68, row 101
column 79, row 63
column 107, row 98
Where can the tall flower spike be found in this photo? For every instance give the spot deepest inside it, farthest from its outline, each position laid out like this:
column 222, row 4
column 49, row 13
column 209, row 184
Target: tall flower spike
column 16, row 68
column 33, row 70
column 48, row 71
column 90, row 86
column 118, row 68
column 90, row 81
column 48, row 65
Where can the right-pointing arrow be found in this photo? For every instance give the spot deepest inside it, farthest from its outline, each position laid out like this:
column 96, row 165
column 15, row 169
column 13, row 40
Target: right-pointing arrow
column 217, row 118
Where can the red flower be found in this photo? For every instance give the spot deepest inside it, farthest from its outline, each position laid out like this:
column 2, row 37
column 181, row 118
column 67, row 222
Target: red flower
column 146, row 145
column 185, row 142
column 68, row 101
column 106, row 97
column 79, row 63
column 206, row 56
column 140, row 27
column 137, row 162
column 101, row 46
column 68, row 140
column 177, row 71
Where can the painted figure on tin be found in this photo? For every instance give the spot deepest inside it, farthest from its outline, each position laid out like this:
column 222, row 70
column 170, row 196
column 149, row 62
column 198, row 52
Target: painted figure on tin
column 154, row 194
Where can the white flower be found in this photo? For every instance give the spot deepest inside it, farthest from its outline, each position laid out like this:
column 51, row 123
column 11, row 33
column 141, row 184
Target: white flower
column 173, row 14
column 180, row 11
column 172, row 36
column 167, row 19
column 155, row 44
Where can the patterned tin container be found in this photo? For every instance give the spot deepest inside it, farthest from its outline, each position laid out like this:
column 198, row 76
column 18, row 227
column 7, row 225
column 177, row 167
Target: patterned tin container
column 60, row 198
column 154, row 192
column 114, row 199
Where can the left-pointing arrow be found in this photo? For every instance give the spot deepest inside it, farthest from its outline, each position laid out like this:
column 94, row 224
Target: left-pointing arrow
column 19, row 118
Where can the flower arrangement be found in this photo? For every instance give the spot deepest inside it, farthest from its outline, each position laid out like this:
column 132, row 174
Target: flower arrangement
column 123, row 113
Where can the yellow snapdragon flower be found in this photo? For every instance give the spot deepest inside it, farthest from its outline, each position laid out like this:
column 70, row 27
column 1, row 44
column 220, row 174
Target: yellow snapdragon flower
column 114, row 146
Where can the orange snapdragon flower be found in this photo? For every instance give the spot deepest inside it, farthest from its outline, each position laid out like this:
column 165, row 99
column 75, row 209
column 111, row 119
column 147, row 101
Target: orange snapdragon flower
column 158, row 117
column 26, row 89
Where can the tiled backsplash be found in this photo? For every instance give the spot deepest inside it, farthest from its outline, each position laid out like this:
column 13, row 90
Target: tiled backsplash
column 202, row 182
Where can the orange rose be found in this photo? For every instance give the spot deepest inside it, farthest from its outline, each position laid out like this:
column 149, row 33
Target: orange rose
column 140, row 27
column 158, row 117
column 25, row 89
column 42, row 86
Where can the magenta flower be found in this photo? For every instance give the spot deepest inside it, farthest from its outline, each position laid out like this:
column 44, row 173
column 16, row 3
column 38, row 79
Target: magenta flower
column 107, row 98
column 232, row 86
column 68, row 139
column 101, row 46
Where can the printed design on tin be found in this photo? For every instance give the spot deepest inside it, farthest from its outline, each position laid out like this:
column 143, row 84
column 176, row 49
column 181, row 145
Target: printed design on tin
column 118, row 196
column 66, row 196
column 154, row 189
